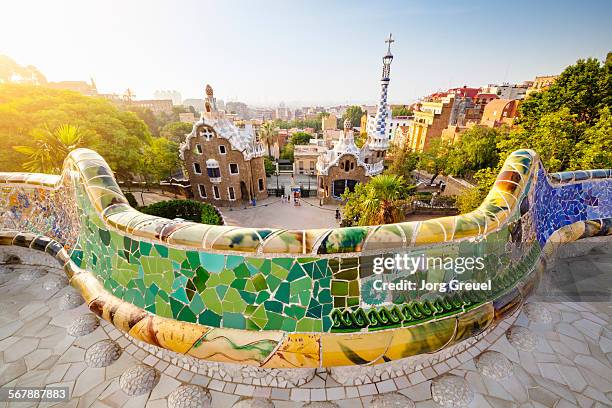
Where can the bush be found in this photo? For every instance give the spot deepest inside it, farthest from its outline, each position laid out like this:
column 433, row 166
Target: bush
column 186, row 209
column 131, row 199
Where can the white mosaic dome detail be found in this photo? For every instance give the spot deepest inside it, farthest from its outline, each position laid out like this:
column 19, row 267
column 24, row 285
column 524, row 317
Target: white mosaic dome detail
column 391, row 400
column 253, row 403
column 138, row 380
column 190, row 396
column 521, row 338
column 537, row 313
column 70, row 300
column 102, row 354
column 83, row 325
column 494, row 365
column 451, row 391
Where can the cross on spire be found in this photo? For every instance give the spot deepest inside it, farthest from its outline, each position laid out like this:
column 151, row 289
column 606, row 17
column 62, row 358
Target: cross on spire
column 389, row 40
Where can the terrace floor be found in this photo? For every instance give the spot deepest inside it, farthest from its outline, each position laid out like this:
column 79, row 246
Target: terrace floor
column 556, row 354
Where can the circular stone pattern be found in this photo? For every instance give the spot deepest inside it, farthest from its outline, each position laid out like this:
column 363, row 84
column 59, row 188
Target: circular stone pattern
column 102, row 354
column 138, row 380
column 84, row 325
column 391, row 400
column 450, row 391
column 521, row 338
column 55, row 282
column 537, row 313
column 494, row 365
column 32, row 274
column 253, row 403
column 320, row 404
column 70, row 300
column 189, row 396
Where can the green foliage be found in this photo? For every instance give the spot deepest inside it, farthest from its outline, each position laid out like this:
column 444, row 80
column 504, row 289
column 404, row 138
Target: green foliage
column 176, row 131
column 434, row 159
column 287, row 152
column 380, row 201
column 354, row 114
column 131, row 199
column 159, row 159
column 404, row 161
column 401, row 111
column 269, row 166
column 568, row 123
column 186, row 209
column 300, row 138
column 470, row 199
column 477, row 149
column 298, row 123
column 268, row 135
column 50, row 148
column 26, row 110
column 595, row 145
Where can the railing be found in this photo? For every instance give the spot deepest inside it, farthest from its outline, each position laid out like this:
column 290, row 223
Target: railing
column 306, row 298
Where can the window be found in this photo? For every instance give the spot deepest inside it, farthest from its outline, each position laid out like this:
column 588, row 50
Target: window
column 222, row 149
column 233, row 168
column 202, row 190
column 312, row 165
column 196, row 168
column 230, row 192
column 216, row 192
column 260, row 183
column 352, row 165
column 213, row 172
column 199, row 149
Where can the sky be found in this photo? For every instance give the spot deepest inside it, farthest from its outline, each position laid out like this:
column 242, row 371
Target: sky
column 301, row 52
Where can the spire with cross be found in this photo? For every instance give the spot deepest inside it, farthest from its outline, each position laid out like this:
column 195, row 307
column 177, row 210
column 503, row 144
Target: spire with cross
column 387, row 59
column 389, row 40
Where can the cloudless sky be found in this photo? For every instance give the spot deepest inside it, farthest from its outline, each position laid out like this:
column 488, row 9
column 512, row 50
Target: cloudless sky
column 306, row 52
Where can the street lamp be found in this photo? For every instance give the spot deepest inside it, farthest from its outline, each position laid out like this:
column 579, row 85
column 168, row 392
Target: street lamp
column 276, row 174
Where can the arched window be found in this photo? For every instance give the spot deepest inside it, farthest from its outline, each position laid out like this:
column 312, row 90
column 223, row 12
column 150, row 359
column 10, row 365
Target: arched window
column 213, row 171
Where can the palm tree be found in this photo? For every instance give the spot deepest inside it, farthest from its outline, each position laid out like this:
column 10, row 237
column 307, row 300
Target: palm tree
column 268, row 135
column 380, row 201
column 50, row 148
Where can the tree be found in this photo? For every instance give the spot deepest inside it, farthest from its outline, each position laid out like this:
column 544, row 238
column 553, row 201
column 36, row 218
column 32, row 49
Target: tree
column 471, row 199
column 287, row 152
column 50, row 148
column 401, row 111
column 160, row 159
column 268, row 135
column 269, row 167
column 25, row 110
column 300, row 138
column 403, row 163
column 434, row 159
column 354, row 114
column 176, row 131
column 380, row 201
column 554, row 138
column 477, row 149
column 594, row 148
column 148, row 117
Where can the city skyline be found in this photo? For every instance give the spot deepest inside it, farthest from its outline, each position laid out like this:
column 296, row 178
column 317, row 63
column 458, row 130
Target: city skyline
column 304, row 54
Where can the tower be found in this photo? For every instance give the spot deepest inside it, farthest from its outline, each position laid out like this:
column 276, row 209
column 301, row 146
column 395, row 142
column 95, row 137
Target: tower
column 210, row 103
column 379, row 139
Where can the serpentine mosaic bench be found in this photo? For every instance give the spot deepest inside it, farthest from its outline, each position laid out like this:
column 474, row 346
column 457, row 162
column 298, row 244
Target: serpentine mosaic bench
column 285, row 298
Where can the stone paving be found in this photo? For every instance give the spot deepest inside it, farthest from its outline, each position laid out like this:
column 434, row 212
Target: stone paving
column 273, row 213
column 550, row 355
